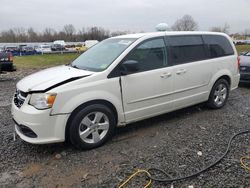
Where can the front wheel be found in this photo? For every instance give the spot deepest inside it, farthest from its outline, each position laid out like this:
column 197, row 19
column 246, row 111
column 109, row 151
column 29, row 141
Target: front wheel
column 91, row 126
column 219, row 94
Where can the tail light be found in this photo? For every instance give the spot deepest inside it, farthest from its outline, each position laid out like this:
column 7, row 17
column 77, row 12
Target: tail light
column 10, row 57
column 238, row 62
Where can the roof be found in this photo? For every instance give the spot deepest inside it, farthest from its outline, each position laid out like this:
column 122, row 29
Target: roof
column 139, row 35
column 152, row 34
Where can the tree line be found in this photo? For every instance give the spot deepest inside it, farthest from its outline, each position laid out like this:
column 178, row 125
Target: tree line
column 70, row 34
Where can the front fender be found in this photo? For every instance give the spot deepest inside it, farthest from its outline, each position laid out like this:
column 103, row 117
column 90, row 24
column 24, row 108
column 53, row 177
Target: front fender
column 67, row 102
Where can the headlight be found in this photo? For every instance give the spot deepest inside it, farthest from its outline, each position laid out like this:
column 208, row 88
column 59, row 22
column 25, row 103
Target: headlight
column 42, row 100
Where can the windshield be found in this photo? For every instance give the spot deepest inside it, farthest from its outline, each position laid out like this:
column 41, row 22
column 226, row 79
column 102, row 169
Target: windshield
column 100, row 56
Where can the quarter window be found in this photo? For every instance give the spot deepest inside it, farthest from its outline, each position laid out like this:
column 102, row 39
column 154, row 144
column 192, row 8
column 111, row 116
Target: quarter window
column 184, row 49
column 150, row 55
column 218, row 46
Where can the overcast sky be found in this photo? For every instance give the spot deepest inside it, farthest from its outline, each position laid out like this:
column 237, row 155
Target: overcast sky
column 132, row 15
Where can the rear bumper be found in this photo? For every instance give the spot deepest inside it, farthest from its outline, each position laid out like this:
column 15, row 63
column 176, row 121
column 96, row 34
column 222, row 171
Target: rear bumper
column 235, row 81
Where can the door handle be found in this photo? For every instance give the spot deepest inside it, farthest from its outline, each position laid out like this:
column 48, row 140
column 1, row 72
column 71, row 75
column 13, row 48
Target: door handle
column 166, row 75
column 181, row 71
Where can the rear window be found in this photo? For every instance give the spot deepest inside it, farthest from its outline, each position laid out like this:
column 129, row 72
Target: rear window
column 218, row 46
column 186, row 49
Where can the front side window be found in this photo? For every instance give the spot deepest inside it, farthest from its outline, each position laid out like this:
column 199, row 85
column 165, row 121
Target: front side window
column 150, row 55
column 184, row 49
column 100, row 56
column 218, row 45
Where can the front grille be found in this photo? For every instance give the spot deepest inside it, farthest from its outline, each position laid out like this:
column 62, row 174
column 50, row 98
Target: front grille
column 244, row 68
column 19, row 98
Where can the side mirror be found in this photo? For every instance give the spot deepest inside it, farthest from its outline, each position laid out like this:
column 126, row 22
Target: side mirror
column 129, row 66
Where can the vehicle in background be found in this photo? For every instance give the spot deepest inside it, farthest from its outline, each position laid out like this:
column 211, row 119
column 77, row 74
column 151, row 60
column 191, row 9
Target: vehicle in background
column 11, row 49
column 27, row 50
column 242, row 53
column 14, row 50
column 90, row 43
column 57, row 47
column 6, row 62
column 80, row 48
column 241, row 42
column 245, row 68
column 44, row 48
column 61, row 42
column 70, row 48
column 21, row 47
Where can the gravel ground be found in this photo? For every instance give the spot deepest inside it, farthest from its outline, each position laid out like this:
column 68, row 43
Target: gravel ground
column 170, row 141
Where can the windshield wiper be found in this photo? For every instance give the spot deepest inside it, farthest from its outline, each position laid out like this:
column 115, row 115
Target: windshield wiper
column 74, row 66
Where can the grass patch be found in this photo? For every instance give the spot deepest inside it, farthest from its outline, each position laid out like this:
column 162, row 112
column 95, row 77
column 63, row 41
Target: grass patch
column 42, row 61
column 242, row 48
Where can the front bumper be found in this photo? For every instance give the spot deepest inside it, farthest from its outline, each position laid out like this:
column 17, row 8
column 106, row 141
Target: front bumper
column 245, row 77
column 47, row 128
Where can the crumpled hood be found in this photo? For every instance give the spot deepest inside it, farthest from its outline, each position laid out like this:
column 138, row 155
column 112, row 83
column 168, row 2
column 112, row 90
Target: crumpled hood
column 244, row 60
column 48, row 78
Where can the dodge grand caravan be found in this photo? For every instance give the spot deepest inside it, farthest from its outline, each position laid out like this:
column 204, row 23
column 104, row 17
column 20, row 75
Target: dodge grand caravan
column 122, row 80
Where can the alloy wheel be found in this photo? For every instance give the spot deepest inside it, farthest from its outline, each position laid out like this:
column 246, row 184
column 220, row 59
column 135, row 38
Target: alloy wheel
column 94, row 127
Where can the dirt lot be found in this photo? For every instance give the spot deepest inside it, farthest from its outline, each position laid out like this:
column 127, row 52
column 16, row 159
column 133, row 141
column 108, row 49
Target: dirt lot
column 170, row 141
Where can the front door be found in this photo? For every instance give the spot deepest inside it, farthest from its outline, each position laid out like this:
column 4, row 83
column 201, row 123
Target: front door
column 147, row 92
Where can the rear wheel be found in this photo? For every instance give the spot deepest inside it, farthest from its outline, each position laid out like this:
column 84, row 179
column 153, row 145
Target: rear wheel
column 219, row 94
column 91, row 126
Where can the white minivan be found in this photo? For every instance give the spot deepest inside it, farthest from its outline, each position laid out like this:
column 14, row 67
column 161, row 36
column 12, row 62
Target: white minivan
column 122, row 80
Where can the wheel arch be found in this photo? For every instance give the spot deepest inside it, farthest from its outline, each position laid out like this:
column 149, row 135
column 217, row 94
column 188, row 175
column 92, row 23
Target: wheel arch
column 213, row 104
column 83, row 105
column 225, row 77
column 225, row 74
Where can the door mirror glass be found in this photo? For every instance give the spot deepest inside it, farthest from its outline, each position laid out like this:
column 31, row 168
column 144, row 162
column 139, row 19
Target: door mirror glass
column 129, row 66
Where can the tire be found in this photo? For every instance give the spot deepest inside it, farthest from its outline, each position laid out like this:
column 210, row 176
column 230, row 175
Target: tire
column 95, row 123
column 219, row 94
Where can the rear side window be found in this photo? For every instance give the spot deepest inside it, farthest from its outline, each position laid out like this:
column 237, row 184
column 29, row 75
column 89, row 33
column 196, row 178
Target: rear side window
column 184, row 49
column 218, row 46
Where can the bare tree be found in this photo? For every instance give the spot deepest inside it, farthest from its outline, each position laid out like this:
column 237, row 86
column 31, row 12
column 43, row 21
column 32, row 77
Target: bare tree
column 186, row 23
column 32, row 35
column 223, row 29
column 21, row 35
column 8, row 36
column 97, row 33
column 69, row 30
column 117, row 33
column 68, row 33
column 246, row 33
column 81, row 35
column 48, row 35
